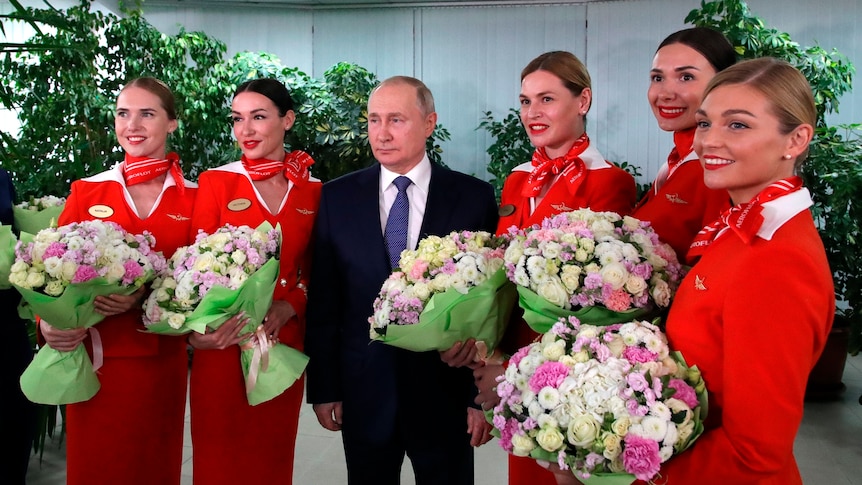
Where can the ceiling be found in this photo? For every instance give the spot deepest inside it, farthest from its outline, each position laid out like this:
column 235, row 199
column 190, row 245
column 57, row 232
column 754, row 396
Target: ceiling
column 324, row 4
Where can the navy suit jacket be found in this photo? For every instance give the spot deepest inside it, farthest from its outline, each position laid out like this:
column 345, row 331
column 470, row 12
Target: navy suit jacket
column 376, row 382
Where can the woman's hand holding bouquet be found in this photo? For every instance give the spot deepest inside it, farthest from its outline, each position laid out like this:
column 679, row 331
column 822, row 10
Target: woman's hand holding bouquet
column 60, row 272
column 222, row 286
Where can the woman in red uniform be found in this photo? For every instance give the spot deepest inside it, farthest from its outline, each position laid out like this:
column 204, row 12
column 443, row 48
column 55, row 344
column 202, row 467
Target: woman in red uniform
column 234, row 442
column 131, row 431
column 755, row 310
column 566, row 173
column 679, row 204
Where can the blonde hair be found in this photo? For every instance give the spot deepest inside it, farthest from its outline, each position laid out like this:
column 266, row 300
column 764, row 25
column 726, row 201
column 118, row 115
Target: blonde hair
column 788, row 92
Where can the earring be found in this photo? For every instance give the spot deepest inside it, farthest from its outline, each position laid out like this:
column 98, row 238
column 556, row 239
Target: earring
column 786, row 156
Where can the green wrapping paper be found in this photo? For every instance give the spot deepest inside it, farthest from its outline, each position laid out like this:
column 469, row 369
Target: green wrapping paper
column 34, row 221
column 266, row 376
column 55, row 377
column 7, row 255
column 285, row 364
column 608, row 479
column 541, row 315
column 450, row 317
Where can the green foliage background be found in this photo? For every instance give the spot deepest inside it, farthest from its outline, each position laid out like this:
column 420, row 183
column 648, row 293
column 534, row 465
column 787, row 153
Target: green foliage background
column 64, row 81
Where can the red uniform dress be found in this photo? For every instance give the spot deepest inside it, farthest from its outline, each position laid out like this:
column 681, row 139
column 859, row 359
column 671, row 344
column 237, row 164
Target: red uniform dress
column 131, row 431
column 679, row 204
column 234, row 442
column 754, row 318
column 605, row 187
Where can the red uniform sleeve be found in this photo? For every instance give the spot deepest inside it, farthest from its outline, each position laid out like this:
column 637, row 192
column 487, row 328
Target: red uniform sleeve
column 775, row 323
column 617, row 191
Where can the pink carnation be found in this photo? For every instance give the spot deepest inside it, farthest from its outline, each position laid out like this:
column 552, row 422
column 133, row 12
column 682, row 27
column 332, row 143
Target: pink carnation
column 618, row 301
column 684, row 392
column 638, row 355
column 641, row 457
column 84, row 273
column 418, row 269
column 549, row 374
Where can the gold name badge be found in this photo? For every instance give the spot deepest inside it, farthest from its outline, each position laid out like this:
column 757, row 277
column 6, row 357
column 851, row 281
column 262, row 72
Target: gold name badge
column 506, row 210
column 237, row 205
column 100, row 211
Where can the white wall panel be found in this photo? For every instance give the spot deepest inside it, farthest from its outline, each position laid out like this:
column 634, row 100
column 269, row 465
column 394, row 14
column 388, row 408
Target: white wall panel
column 380, row 40
column 472, row 60
column 282, row 32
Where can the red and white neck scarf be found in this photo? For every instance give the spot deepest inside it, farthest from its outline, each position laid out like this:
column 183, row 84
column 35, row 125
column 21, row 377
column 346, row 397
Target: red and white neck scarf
column 743, row 219
column 683, row 141
column 545, row 168
column 137, row 170
column 294, row 166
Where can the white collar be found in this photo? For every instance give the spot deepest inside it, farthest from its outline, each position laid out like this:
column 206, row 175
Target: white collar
column 592, row 158
column 420, row 175
column 778, row 211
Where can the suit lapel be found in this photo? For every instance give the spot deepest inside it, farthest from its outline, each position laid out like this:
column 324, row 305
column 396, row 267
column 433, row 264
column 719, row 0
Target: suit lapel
column 440, row 204
column 366, row 217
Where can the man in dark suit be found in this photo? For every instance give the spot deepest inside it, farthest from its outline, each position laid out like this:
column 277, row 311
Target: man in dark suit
column 389, row 402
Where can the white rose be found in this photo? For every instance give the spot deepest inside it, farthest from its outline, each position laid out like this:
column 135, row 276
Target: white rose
column 635, row 285
column 554, row 292
column 522, row 445
column 551, row 249
column 614, row 274
column 115, row 272
column 54, row 288
column 661, row 292
column 613, row 446
column 583, row 430
column 555, row 350
column 621, row 425
column 176, row 320
column 238, row 257
column 571, row 277
column 54, row 266
column 35, row 280
column 204, row 261
column 550, row 439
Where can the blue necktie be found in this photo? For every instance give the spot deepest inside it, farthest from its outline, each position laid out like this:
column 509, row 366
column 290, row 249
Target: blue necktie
column 396, row 225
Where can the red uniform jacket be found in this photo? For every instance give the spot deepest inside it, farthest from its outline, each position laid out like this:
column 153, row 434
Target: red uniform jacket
column 136, row 419
column 754, row 318
column 229, row 444
column 682, row 206
column 605, row 187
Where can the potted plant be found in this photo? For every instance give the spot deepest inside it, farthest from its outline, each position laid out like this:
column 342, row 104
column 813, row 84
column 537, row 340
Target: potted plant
column 833, row 172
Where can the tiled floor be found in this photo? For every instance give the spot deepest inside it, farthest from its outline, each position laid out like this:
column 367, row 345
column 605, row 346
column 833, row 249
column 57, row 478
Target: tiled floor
column 828, row 447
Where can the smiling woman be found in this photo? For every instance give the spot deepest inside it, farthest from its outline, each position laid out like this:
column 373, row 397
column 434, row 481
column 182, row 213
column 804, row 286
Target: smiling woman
column 136, row 418
column 678, row 204
column 566, row 173
column 273, row 185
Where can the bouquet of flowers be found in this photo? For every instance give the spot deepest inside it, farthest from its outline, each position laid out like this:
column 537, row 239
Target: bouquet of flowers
column 232, row 270
column 598, row 266
column 601, row 401
column 448, row 290
column 59, row 272
column 7, row 254
column 38, row 213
